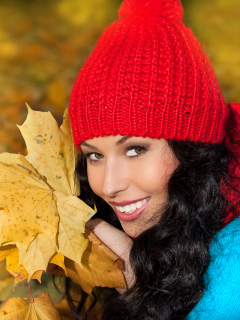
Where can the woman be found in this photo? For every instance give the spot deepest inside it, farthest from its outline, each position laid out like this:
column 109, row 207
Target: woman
column 160, row 160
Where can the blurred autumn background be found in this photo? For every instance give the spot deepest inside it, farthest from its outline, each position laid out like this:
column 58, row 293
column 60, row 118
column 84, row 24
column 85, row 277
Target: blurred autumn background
column 44, row 43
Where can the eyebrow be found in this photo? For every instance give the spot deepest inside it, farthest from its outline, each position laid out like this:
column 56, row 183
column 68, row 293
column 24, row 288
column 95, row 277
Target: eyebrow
column 119, row 142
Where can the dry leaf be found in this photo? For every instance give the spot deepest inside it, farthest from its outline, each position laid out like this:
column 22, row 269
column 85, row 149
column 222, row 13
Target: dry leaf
column 19, row 272
column 51, row 150
column 38, row 254
column 8, row 158
column 58, row 151
column 5, row 251
column 23, row 309
column 64, row 310
column 30, row 208
column 71, row 241
column 99, row 267
column 28, row 203
column 41, row 214
column 40, row 196
column 1, row 219
column 58, row 259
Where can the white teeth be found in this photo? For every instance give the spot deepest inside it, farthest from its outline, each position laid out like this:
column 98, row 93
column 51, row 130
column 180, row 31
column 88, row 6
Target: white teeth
column 133, row 207
column 128, row 209
column 120, row 209
column 139, row 204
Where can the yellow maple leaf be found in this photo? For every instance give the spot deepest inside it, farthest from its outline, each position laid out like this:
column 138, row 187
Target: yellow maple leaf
column 71, row 241
column 40, row 197
column 29, row 206
column 51, row 150
column 38, row 254
column 41, row 214
column 21, row 308
column 8, row 158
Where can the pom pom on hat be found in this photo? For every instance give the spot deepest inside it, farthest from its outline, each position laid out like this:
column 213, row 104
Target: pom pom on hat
column 169, row 9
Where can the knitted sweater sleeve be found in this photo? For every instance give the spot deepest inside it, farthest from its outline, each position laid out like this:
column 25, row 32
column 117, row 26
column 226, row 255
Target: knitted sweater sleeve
column 221, row 298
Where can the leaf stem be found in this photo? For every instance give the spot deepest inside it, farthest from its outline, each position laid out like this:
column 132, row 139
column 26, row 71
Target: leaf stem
column 32, row 300
column 59, row 279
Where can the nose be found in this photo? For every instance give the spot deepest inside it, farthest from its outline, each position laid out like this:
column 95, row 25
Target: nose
column 116, row 178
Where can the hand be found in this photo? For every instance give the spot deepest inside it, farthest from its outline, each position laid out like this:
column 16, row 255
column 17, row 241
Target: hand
column 119, row 242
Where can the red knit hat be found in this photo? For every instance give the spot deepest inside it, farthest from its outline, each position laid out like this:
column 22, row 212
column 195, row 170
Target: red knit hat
column 148, row 76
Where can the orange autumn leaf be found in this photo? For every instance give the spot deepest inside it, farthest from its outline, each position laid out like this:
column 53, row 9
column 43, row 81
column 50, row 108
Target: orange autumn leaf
column 99, row 267
column 21, row 308
column 63, row 308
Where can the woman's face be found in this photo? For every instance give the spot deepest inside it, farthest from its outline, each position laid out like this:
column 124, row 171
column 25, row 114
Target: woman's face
column 131, row 175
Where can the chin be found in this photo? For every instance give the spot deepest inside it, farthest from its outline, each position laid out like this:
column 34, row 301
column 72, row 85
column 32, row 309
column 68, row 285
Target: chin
column 134, row 228
column 129, row 230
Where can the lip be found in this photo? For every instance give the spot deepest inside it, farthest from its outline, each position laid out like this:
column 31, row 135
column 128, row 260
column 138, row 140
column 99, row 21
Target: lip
column 124, row 203
column 133, row 216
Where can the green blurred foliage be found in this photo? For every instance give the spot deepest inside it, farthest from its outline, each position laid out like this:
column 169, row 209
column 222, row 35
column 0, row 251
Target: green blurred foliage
column 45, row 43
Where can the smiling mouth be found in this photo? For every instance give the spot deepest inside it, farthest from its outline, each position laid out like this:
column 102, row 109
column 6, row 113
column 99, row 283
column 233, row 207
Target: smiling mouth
column 132, row 212
column 129, row 209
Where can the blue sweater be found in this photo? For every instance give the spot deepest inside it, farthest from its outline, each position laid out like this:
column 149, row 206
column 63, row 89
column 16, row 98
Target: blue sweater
column 221, row 298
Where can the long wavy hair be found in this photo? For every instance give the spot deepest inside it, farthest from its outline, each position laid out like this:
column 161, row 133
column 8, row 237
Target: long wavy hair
column 170, row 258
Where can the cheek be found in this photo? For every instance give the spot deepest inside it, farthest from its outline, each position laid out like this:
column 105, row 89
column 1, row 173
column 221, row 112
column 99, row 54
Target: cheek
column 154, row 178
